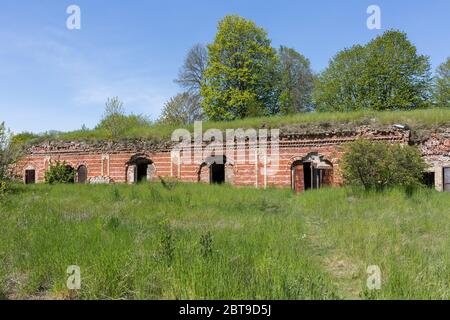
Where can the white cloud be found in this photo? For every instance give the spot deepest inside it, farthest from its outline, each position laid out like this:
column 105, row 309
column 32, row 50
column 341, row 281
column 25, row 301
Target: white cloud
column 139, row 95
column 90, row 76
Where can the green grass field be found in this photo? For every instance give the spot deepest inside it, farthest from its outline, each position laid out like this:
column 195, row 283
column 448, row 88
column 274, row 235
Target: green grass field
column 220, row 242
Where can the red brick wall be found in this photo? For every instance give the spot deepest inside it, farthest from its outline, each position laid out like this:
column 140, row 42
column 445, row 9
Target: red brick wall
column 249, row 173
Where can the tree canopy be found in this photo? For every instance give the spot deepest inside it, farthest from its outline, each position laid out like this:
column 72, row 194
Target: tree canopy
column 238, row 81
column 182, row 109
column 385, row 74
column 296, row 81
column 442, row 85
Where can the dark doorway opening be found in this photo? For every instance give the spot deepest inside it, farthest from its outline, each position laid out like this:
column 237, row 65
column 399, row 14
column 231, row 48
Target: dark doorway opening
column 82, row 174
column 312, row 172
column 30, row 176
column 217, row 170
column 428, row 179
column 217, row 173
column 141, row 170
column 307, row 175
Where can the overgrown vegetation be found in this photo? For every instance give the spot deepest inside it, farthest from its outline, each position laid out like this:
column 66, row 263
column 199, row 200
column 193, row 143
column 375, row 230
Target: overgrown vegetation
column 59, row 172
column 9, row 153
column 442, row 85
column 115, row 122
column 219, row 242
column 311, row 122
column 379, row 165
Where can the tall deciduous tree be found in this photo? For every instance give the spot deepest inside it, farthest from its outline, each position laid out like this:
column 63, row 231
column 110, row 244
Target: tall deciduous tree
column 386, row 74
column 238, row 81
column 341, row 86
column 296, row 81
column 442, row 85
column 182, row 109
column 191, row 73
column 185, row 107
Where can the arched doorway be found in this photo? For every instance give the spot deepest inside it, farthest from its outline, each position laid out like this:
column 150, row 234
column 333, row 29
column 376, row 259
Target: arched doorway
column 213, row 170
column 312, row 172
column 30, row 176
column 140, row 169
column 82, row 174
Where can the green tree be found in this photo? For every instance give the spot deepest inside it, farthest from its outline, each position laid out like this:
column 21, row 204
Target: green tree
column 184, row 108
column 442, row 85
column 9, row 153
column 341, row 86
column 379, row 165
column 113, row 120
column 385, row 74
column 238, row 81
column 296, row 81
column 23, row 138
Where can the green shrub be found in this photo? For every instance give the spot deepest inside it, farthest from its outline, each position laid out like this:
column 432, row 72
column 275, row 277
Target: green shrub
column 379, row 165
column 9, row 153
column 3, row 188
column 60, row 172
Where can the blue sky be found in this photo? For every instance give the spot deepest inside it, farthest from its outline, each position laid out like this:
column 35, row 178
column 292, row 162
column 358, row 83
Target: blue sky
column 55, row 78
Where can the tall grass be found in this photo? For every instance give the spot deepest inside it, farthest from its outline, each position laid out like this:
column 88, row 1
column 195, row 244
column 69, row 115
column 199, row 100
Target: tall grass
column 219, row 242
column 406, row 236
column 422, row 118
column 147, row 242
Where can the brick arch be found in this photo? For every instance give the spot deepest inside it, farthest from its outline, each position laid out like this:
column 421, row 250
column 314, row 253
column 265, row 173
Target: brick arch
column 292, row 160
column 69, row 163
column 29, row 166
column 131, row 163
column 81, row 163
column 137, row 156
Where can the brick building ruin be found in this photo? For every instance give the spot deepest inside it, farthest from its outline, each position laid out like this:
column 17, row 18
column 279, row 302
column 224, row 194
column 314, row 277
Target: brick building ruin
column 306, row 160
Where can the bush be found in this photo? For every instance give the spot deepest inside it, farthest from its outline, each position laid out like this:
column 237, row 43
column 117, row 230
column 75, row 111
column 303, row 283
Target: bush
column 3, row 188
column 379, row 165
column 9, row 153
column 116, row 123
column 60, row 172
